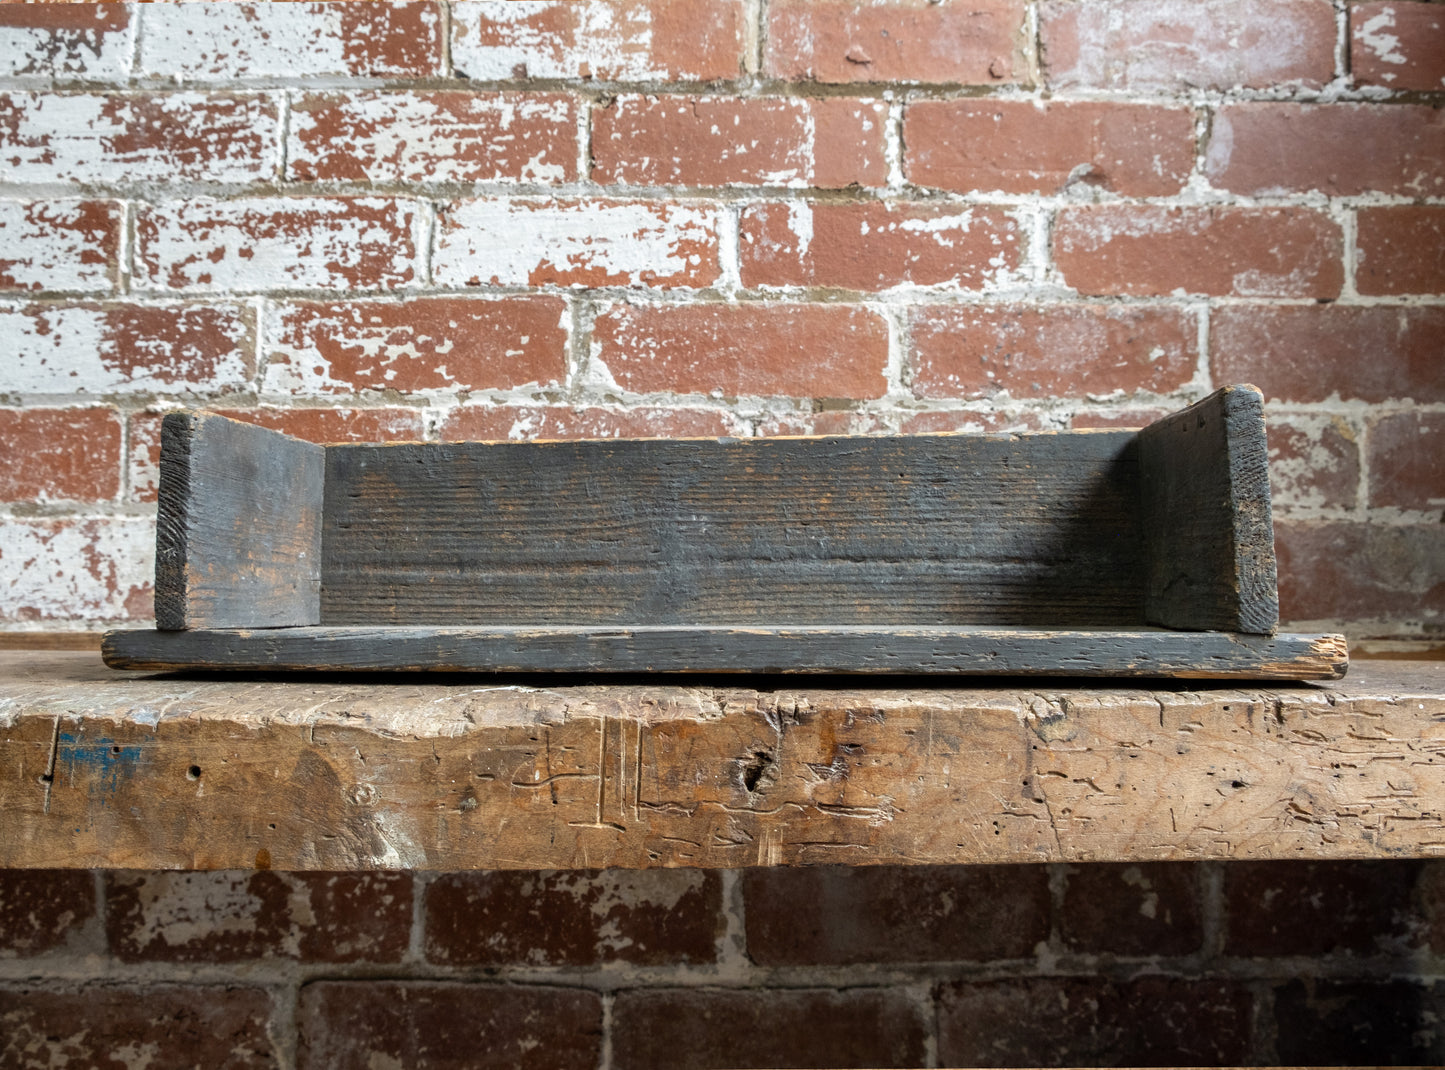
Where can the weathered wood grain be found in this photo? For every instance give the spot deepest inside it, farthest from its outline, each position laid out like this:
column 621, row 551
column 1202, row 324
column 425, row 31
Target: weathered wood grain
column 928, row 530
column 238, row 530
column 797, row 649
column 1205, row 506
column 105, row 769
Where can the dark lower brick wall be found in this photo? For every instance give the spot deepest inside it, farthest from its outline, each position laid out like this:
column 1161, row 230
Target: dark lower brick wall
column 1107, row 965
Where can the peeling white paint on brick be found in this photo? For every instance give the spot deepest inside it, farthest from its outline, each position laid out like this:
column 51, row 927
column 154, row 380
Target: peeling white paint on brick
column 434, row 137
column 58, row 245
column 179, row 908
column 495, row 41
column 99, row 51
column 425, row 347
column 1374, row 34
column 92, row 349
column 209, row 42
column 276, row 243
column 578, row 243
column 145, row 137
column 1191, row 44
column 97, row 569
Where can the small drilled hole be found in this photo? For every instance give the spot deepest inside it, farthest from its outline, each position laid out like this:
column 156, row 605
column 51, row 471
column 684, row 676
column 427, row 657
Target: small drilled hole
column 193, row 773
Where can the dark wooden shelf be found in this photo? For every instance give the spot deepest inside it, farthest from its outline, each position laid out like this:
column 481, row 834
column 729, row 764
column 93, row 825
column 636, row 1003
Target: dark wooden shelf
column 1090, row 553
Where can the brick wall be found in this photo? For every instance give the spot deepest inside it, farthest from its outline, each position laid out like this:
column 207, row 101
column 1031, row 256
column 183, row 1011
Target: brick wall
column 1154, row 964
column 745, row 217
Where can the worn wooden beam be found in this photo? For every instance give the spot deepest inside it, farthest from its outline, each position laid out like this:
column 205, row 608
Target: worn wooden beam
column 1205, row 513
column 238, row 529
column 106, row 769
column 879, row 649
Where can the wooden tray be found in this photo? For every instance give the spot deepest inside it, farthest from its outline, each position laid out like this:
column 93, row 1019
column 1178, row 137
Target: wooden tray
column 1087, row 553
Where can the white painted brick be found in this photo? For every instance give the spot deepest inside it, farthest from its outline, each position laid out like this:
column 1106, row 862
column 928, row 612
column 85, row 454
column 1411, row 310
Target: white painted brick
column 136, row 137
column 206, row 42
column 576, row 243
column 95, row 349
column 65, row 42
column 270, row 243
column 494, row 39
column 58, row 245
column 90, row 570
column 609, row 40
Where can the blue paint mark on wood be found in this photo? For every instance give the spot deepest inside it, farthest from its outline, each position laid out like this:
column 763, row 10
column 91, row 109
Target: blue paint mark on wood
column 102, row 761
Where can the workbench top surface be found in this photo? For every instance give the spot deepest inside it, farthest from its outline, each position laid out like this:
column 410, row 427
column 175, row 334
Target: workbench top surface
column 147, row 770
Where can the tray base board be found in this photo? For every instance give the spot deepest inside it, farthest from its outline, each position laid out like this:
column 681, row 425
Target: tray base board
column 1138, row 652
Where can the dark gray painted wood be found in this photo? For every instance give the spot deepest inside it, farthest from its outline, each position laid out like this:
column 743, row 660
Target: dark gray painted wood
column 1035, row 529
column 860, row 649
column 1205, row 507
column 238, row 533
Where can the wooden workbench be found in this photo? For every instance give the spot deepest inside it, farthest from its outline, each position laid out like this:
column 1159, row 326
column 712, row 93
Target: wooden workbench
column 106, row 769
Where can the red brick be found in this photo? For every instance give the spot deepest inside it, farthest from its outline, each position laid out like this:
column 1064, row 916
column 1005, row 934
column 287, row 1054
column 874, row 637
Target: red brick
column 1314, row 462
column 1407, row 460
column 59, row 454
column 96, row 138
column 1092, row 1021
column 627, row 41
column 745, row 349
column 313, row 425
column 446, row 136
column 896, row 41
column 424, row 1025
column 1399, row 44
column 1312, row 353
column 826, row 422
column 335, row 424
column 1202, row 44
column 1340, row 149
column 497, row 423
column 1383, row 1023
column 1221, row 252
column 1400, row 250
column 1023, row 147
column 234, row 917
column 115, row 1025
column 1349, row 571
column 1148, row 908
column 73, row 570
column 105, row 349
column 1320, row 908
column 59, row 245
column 65, row 41
column 727, row 141
column 515, row 242
column 955, row 421
column 442, row 343
column 1094, row 419
column 876, row 245
column 837, row 915
column 219, row 42
column 43, row 909
column 1048, row 351
column 277, row 243
column 644, row 917
column 680, row 1029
